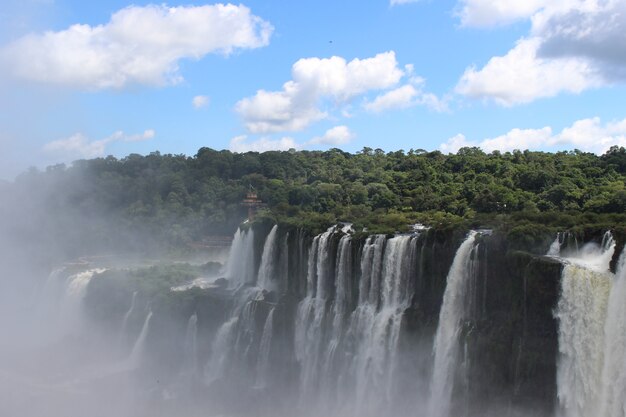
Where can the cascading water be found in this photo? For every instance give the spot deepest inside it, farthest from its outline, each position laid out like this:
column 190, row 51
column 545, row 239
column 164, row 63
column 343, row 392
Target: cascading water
column 613, row 394
column 240, row 265
column 375, row 324
column 340, row 326
column 310, row 329
column 263, row 361
column 586, row 339
column 221, row 350
column 343, row 296
column 136, row 355
column 446, row 347
column 350, row 343
column 566, row 244
column 266, row 279
column 235, row 335
column 190, row 363
column 72, row 301
column 581, row 313
column 349, row 353
column 129, row 313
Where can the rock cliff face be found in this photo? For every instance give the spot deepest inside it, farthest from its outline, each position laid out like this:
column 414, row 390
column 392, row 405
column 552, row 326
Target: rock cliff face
column 370, row 325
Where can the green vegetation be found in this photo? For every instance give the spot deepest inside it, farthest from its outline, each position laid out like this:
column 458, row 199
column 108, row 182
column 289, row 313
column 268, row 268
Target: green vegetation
column 109, row 292
column 177, row 199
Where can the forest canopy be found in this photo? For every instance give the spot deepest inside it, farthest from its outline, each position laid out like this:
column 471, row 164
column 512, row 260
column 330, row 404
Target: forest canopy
column 178, row 199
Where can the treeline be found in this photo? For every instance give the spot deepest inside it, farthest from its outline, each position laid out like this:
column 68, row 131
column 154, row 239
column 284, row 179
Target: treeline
column 176, row 199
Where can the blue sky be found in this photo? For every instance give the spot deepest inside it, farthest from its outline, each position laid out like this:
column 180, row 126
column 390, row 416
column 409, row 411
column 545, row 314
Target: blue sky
column 87, row 79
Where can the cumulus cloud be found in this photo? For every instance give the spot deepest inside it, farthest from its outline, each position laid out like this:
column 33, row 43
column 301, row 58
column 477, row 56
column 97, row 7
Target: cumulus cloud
column 243, row 144
column 588, row 135
column 408, row 95
column 139, row 45
column 595, row 32
column 200, row 101
column 80, row 146
column 521, row 76
column 297, row 105
column 338, row 135
column 398, row 98
column 572, row 46
column 484, row 13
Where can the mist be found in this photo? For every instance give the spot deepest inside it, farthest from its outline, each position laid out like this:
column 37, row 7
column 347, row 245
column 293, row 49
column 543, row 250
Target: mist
column 100, row 317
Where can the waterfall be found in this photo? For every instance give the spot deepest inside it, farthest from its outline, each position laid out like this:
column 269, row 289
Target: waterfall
column 613, row 394
column 587, row 342
column 191, row 344
column 312, row 314
column 136, row 355
column 581, row 313
column 339, row 311
column 376, row 322
column 446, row 346
column 221, row 349
column 263, row 360
column 371, row 263
column 349, row 354
column 555, row 247
column 72, row 302
column 129, row 313
column 228, row 340
column 240, row 265
column 267, row 270
column 234, row 340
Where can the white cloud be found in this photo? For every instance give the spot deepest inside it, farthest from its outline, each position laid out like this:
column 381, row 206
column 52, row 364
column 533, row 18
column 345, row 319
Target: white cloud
column 593, row 31
column 200, row 101
column 455, row 143
column 406, row 96
column 591, row 135
column 521, row 77
column 139, row 45
column 297, row 105
column 242, row 144
column 519, row 139
column 572, row 46
column 338, row 135
column 79, row 146
column 399, row 98
column 483, row 13
column 588, row 135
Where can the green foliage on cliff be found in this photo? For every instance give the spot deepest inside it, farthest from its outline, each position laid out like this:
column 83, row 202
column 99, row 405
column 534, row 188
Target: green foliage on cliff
column 178, row 199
